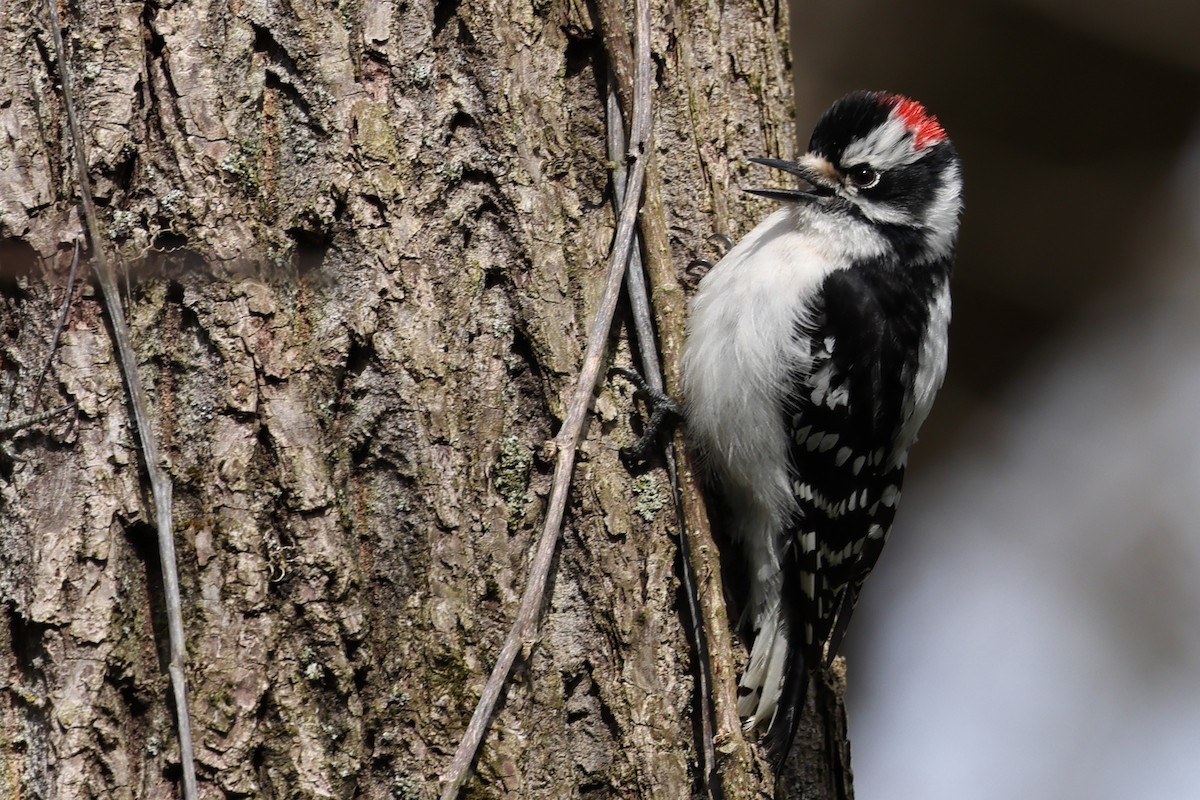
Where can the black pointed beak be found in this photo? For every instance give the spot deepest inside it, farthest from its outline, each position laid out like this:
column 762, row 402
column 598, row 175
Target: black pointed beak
column 812, row 169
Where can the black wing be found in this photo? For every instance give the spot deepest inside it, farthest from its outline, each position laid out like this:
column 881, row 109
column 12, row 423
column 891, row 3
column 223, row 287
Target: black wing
column 843, row 415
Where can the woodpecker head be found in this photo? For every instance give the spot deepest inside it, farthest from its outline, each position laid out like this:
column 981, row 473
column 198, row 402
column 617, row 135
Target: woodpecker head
column 884, row 158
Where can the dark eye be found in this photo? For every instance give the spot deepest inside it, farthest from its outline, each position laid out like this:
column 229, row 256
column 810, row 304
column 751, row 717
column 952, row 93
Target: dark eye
column 863, row 176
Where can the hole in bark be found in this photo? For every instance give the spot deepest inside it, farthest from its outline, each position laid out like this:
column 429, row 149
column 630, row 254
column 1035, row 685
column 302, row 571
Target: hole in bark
column 265, row 43
column 357, row 361
column 170, row 259
column 486, row 206
column 126, row 168
column 572, row 685
column 462, row 120
column 522, row 347
column 443, row 12
column 660, row 67
column 26, row 637
column 156, row 44
column 169, row 240
column 493, row 279
column 288, row 89
column 360, row 678
column 18, row 260
column 138, row 702
column 143, row 540
column 580, row 52
column 171, row 771
column 607, row 716
column 595, row 788
column 311, row 248
column 339, row 207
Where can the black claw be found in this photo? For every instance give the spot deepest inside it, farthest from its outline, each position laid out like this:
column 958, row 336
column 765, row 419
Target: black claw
column 658, row 398
column 697, row 268
column 723, row 240
column 664, row 411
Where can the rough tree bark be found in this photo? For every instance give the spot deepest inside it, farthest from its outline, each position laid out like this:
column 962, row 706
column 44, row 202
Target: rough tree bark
column 363, row 243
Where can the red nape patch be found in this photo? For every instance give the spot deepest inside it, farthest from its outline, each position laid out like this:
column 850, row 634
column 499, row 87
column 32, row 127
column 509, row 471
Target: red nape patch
column 924, row 126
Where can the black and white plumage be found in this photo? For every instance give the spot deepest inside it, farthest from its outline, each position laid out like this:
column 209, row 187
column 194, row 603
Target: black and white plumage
column 814, row 350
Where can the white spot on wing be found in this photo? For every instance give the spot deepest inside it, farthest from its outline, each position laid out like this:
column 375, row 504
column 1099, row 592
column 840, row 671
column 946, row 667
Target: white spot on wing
column 808, row 585
column 809, row 541
column 838, row 398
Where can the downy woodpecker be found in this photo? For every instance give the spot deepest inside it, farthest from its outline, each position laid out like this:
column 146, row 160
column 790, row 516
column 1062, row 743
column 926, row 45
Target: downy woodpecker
column 814, row 350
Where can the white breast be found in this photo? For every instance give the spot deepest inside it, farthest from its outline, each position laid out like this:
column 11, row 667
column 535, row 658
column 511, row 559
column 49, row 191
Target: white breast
column 741, row 346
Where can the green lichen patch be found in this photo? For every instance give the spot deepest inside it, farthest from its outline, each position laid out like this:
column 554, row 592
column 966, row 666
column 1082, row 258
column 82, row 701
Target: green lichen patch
column 648, row 499
column 511, row 475
column 243, row 163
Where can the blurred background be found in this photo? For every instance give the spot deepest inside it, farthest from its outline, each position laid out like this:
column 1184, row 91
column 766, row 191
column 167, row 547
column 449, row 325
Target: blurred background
column 1033, row 629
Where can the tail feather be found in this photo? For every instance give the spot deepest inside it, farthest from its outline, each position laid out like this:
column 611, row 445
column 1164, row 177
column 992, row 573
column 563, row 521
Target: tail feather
column 763, row 680
column 790, row 709
column 774, row 687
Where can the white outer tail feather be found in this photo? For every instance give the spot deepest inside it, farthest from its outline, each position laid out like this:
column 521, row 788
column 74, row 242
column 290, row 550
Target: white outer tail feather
column 764, row 676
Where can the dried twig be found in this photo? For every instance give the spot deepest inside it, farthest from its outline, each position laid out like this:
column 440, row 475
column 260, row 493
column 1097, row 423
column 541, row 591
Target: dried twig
column 567, row 441
column 24, row 422
column 160, row 483
column 643, row 327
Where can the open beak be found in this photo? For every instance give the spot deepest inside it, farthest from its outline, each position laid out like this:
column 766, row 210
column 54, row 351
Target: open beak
column 813, row 169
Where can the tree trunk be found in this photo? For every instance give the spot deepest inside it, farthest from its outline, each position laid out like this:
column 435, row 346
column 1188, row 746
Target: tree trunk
column 362, row 245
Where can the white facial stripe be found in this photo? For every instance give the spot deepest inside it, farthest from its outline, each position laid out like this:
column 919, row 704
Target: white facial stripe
column 941, row 218
column 884, row 213
column 887, row 147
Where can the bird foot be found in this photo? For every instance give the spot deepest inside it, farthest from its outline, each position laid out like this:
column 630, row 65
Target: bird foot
column 697, row 268
column 664, row 412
